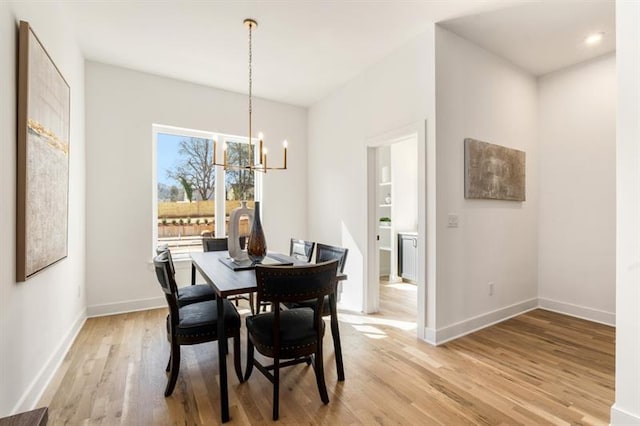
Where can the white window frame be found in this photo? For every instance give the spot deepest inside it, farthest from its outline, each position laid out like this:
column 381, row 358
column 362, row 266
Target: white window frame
column 220, row 194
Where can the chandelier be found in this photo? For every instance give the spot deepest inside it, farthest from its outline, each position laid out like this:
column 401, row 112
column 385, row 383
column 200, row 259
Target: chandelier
column 251, row 164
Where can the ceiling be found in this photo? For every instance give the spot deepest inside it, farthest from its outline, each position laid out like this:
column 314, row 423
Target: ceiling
column 304, row 50
column 542, row 37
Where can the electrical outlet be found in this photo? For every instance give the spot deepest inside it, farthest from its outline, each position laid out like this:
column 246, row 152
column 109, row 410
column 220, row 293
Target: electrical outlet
column 491, row 288
column 452, row 220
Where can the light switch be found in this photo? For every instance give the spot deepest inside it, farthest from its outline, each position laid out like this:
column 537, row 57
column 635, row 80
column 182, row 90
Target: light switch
column 452, row 221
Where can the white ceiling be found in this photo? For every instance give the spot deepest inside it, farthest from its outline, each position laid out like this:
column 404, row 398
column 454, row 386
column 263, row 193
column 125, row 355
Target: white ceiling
column 542, row 37
column 303, row 50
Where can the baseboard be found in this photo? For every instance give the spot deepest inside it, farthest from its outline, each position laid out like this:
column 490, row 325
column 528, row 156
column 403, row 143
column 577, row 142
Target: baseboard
column 462, row 328
column 622, row 417
column 429, row 336
column 39, row 384
column 124, row 307
column 589, row 314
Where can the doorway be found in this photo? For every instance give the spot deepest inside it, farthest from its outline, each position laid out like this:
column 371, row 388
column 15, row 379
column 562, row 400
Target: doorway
column 396, row 224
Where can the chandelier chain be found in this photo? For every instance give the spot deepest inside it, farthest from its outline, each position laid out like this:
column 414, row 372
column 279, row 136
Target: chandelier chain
column 250, row 80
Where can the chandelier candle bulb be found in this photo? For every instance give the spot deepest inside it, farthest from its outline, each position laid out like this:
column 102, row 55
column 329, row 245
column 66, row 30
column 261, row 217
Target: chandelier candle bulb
column 224, row 149
column 264, row 158
column 285, row 144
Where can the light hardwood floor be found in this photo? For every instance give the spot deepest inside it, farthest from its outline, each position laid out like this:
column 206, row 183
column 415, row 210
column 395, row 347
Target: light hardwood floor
column 538, row 368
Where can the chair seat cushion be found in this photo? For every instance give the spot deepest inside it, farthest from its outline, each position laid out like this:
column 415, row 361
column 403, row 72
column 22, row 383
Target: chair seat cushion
column 296, row 327
column 195, row 293
column 326, row 308
column 201, row 319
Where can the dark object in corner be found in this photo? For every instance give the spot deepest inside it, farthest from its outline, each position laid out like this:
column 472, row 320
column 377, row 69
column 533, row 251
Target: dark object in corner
column 37, row 417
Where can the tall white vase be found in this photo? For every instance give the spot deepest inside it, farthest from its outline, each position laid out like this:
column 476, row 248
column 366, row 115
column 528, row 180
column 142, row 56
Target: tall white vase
column 235, row 249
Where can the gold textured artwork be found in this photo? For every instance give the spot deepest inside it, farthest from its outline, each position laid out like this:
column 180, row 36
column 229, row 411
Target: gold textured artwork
column 43, row 158
column 493, row 172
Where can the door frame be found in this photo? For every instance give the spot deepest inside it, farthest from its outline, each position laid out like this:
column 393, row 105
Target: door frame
column 426, row 222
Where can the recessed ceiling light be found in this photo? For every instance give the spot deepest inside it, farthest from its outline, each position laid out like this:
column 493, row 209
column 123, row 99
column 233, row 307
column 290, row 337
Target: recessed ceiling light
column 594, row 39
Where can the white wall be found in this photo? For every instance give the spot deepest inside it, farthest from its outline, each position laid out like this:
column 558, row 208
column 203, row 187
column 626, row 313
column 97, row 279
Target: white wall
column 404, row 175
column 577, row 215
column 122, row 105
column 40, row 317
column 626, row 409
column 393, row 93
column 480, row 95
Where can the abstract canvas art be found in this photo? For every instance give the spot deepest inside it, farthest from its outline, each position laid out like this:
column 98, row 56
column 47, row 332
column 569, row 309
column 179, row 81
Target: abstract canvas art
column 493, row 172
column 43, row 158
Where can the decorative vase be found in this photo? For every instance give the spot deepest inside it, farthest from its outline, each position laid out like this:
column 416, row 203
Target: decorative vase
column 257, row 246
column 236, row 247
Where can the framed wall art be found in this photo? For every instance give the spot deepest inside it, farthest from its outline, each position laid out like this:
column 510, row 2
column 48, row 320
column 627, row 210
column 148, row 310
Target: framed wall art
column 43, row 158
column 493, row 172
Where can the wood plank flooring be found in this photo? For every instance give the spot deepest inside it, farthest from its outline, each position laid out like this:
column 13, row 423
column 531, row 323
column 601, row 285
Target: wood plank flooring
column 537, row 368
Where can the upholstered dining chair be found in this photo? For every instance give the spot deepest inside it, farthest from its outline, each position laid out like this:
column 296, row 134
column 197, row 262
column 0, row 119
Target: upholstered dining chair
column 222, row 244
column 301, row 249
column 192, row 293
column 294, row 335
column 215, row 244
column 325, row 253
column 194, row 323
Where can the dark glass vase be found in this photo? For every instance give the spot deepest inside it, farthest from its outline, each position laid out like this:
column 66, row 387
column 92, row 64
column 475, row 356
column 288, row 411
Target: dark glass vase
column 257, row 247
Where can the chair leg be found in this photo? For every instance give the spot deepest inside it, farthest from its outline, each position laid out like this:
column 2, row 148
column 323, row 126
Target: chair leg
column 236, row 356
column 276, row 388
column 335, row 334
column 168, row 364
column 319, row 369
column 174, row 370
column 249, row 369
column 337, row 347
column 251, row 303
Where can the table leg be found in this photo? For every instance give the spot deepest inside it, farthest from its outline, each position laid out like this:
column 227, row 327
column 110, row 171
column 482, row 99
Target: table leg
column 222, row 361
column 335, row 333
column 193, row 273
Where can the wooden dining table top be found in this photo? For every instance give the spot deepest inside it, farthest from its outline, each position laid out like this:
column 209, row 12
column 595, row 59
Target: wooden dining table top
column 226, row 281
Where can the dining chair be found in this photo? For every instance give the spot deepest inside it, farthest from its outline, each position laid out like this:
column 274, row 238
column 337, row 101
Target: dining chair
column 222, row 244
column 325, row 253
column 215, row 244
column 301, row 249
column 192, row 293
column 194, row 323
column 294, row 335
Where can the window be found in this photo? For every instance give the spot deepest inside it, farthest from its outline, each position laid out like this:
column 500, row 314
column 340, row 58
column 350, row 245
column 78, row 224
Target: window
column 187, row 199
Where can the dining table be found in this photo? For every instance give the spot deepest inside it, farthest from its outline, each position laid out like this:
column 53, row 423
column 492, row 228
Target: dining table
column 225, row 282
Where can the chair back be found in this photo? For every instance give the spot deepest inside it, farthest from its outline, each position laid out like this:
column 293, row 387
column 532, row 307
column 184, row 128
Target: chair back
column 278, row 284
column 162, row 248
column 215, row 244
column 166, row 278
column 301, row 249
column 326, row 252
